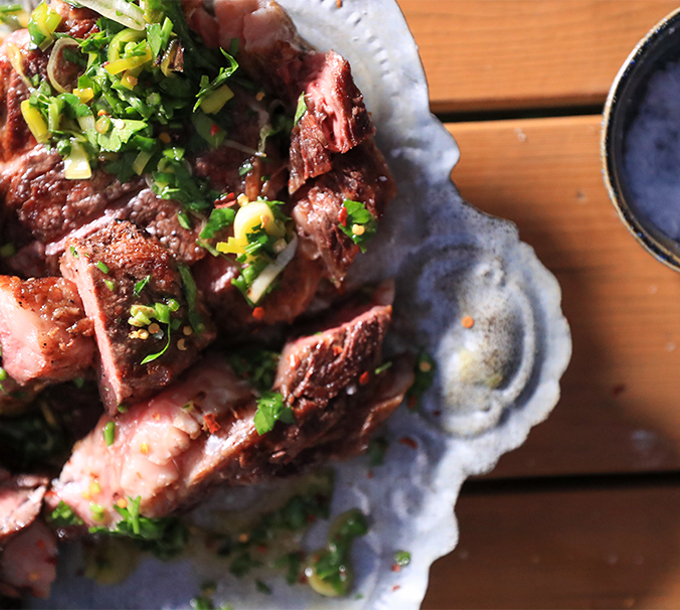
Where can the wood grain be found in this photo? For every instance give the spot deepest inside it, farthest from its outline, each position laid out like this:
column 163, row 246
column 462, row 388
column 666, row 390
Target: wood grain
column 492, row 54
column 620, row 406
column 576, row 548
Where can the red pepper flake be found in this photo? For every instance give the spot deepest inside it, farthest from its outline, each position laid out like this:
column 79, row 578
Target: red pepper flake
column 467, row 322
column 310, row 519
column 214, row 129
column 338, row 3
column 342, row 216
column 369, row 474
column 213, row 426
column 364, row 379
column 396, row 587
column 156, row 416
column 337, row 350
column 302, row 579
column 412, row 402
column 40, row 544
column 262, row 548
column 258, row 313
column 437, row 413
column 409, row 442
column 396, row 567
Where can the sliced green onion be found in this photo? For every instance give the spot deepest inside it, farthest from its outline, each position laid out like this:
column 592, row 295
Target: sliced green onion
column 103, row 267
column 139, row 286
column 52, row 70
column 140, row 161
column 269, row 273
column 77, row 165
column 35, row 121
column 109, row 433
column 110, row 284
column 213, row 102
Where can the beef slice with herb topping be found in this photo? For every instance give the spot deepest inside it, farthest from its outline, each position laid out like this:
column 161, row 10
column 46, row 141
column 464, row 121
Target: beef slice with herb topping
column 149, row 323
column 202, row 430
column 44, row 333
column 360, row 175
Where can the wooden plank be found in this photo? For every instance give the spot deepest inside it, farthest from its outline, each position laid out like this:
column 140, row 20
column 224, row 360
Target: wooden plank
column 490, row 54
column 593, row 548
column 620, row 406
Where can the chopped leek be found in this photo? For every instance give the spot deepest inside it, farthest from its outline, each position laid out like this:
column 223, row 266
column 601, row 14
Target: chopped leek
column 77, row 164
column 35, row 121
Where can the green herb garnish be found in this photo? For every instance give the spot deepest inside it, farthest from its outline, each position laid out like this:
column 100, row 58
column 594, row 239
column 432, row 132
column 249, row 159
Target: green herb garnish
column 165, row 537
column 301, row 108
column 256, row 365
column 423, row 377
column 360, row 225
column 220, row 218
column 270, row 409
column 402, row 558
column 141, row 284
column 109, row 433
column 63, row 516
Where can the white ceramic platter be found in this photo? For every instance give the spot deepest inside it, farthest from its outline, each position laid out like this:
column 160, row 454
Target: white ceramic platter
column 495, row 380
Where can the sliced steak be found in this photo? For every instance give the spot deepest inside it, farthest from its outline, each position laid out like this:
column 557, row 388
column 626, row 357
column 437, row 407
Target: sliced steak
column 157, row 441
column 359, row 175
column 108, row 267
column 234, row 317
column 336, row 119
column 43, row 330
column 200, row 432
column 48, row 205
column 20, row 502
column 28, row 564
column 159, row 218
column 270, row 49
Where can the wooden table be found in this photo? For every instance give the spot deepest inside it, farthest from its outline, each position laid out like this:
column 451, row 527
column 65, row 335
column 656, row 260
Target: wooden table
column 587, row 512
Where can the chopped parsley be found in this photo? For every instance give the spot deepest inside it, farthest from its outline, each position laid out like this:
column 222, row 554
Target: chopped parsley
column 256, row 365
column 270, row 409
column 402, row 558
column 220, row 218
column 358, row 223
column 190, row 293
column 134, row 91
column 301, row 108
column 165, row 537
column 329, row 572
column 141, row 284
column 63, row 516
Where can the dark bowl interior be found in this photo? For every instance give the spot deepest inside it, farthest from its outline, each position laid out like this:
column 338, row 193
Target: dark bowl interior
column 654, row 52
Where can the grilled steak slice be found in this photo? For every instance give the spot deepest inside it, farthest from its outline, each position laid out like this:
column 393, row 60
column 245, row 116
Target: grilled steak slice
column 20, row 502
column 200, row 432
column 298, row 285
column 156, row 443
column 43, row 330
column 159, row 218
column 351, row 436
column 28, row 564
column 28, row 550
column 335, row 121
column 109, row 267
column 48, row 205
column 359, row 175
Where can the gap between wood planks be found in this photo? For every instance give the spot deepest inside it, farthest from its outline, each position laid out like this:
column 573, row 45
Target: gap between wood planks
column 518, row 113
